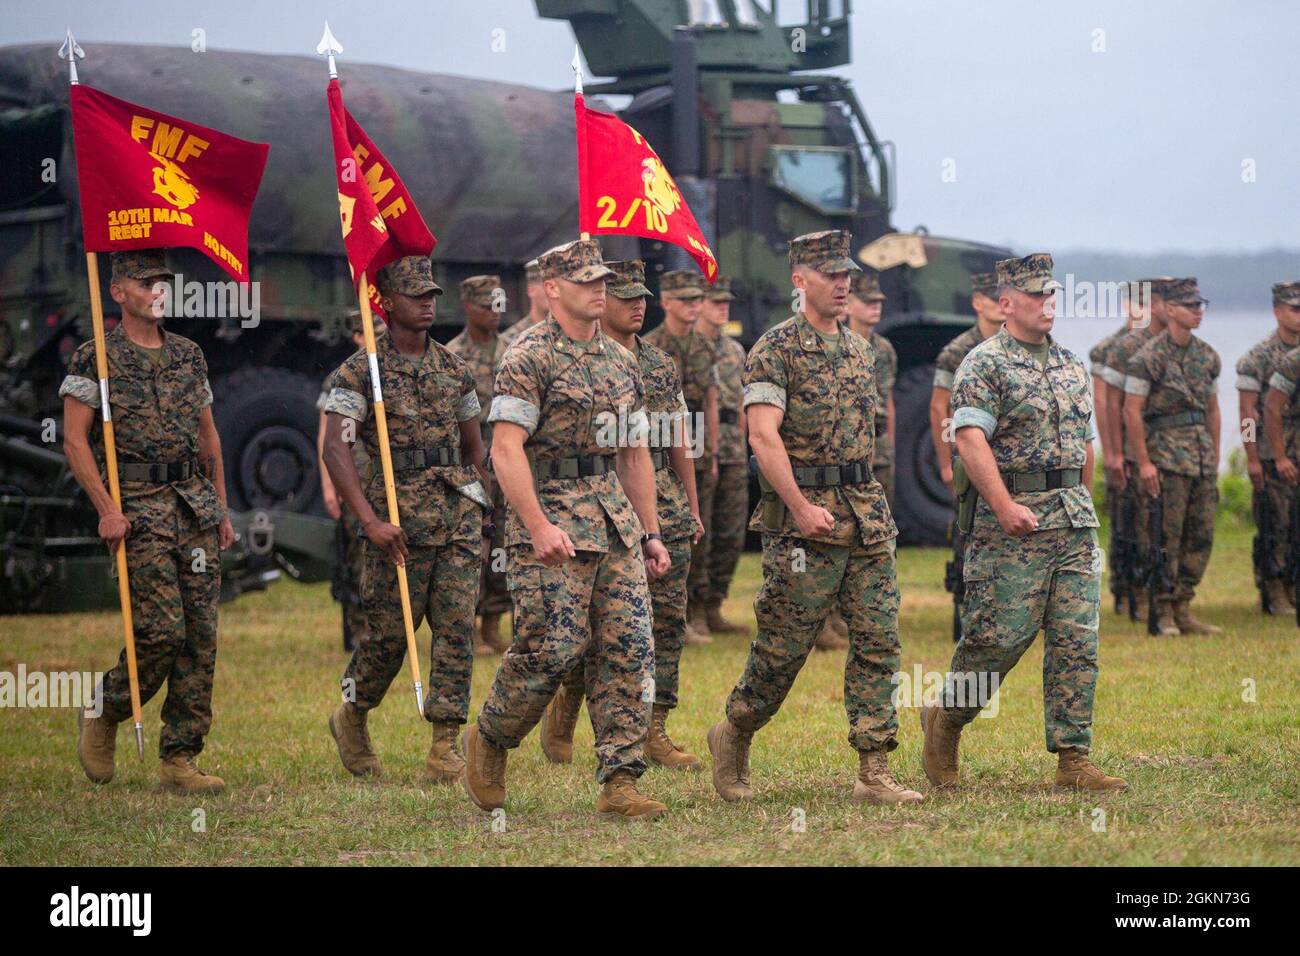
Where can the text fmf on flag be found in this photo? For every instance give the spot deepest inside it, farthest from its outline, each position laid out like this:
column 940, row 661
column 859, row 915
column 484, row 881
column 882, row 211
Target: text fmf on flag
column 149, row 180
column 379, row 218
column 625, row 189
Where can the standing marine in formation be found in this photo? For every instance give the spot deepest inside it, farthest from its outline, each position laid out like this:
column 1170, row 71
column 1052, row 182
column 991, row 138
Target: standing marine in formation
column 537, row 309
column 1273, row 437
column 478, row 346
column 730, row 506
column 828, row 537
column 581, row 537
column 1023, row 421
column 626, row 296
column 173, row 521
column 1171, row 409
column 682, row 294
column 432, row 412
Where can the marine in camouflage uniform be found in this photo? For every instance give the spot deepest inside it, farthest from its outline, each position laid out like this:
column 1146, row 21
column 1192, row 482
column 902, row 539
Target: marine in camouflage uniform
column 678, row 510
column 432, row 412
column 168, row 457
column 479, row 346
column 730, row 505
column 1255, row 371
column 536, row 310
column 575, row 563
column 683, row 292
column 346, row 586
column 866, row 292
column 810, row 398
column 1170, row 394
column 1023, row 418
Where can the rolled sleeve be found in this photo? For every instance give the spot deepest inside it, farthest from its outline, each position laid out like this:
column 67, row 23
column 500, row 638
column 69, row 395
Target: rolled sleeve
column 468, row 407
column 517, row 411
column 82, row 389
column 969, row 417
column 943, row 378
column 1248, row 383
column 764, row 393
column 206, row 393
column 349, row 404
column 1111, row 376
column 1136, row 386
column 1282, row 384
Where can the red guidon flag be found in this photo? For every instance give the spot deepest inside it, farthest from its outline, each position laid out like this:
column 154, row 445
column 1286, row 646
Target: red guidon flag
column 379, row 218
column 625, row 189
column 152, row 180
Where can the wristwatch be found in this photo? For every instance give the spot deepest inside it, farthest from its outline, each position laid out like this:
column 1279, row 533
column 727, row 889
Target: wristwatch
column 656, row 536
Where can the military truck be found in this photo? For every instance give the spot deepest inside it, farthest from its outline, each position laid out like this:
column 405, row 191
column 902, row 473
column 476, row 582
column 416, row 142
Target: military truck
column 763, row 144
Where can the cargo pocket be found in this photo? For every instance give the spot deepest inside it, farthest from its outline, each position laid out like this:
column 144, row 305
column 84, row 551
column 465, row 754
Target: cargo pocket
column 529, row 603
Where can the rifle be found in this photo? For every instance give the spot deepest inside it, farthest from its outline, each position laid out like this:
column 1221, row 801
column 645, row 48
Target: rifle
column 1156, row 563
column 1262, row 546
column 1123, row 560
column 954, row 580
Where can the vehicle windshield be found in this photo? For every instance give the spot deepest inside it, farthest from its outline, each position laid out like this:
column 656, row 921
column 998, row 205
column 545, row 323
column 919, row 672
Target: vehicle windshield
column 821, row 176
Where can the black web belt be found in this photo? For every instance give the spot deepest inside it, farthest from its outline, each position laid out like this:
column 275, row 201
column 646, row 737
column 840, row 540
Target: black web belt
column 832, row 476
column 157, row 472
column 418, row 458
column 1020, row 482
column 582, row 466
column 1174, row 420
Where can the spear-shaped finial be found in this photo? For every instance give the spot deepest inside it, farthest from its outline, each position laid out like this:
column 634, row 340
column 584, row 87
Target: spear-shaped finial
column 329, row 46
column 577, row 70
column 71, row 52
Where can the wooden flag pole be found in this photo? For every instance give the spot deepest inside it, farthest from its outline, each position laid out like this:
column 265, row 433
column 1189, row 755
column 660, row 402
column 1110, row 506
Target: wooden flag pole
column 115, row 490
column 71, row 51
column 390, row 486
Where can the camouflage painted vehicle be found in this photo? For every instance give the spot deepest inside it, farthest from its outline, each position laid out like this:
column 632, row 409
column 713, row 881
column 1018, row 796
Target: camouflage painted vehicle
column 761, row 148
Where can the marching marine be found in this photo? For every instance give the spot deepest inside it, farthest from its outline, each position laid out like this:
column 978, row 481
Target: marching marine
column 173, row 521
column 828, row 537
column 436, row 449
column 1023, row 420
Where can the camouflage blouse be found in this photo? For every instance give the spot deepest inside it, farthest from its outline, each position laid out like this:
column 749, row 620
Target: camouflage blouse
column 424, row 404
column 1176, row 379
column 1285, row 378
column 567, row 395
column 950, row 356
column 1036, row 418
column 829, row 401
column 693, row 355
column 481, row 357
column 886, row 376
column 731, row 394
column 1254, row 374
column 155, row 413
column 666, row 409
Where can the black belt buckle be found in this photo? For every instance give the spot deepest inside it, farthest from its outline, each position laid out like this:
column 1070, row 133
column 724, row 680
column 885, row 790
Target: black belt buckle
column 829, row 470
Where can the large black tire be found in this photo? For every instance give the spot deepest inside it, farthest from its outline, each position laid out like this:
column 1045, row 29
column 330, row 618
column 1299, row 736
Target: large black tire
column 922, row 505
column 267, row 420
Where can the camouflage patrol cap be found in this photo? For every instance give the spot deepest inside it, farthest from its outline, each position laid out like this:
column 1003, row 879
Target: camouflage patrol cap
column 720, row 290
column 139, row 264
column 1156, row 285
column 532, row 271
column 479, row 289
column 826, row 251
column 409, row 275
column 1031, row 274
column 354, row 321
column 577, row 261
column 985, row 283
column 1183, row 291
column 1286, row 293
column 682, row 284
column 866, row 286
column 628, row 280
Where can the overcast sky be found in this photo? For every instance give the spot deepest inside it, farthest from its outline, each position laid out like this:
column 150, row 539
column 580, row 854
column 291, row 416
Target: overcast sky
column 1113, row 124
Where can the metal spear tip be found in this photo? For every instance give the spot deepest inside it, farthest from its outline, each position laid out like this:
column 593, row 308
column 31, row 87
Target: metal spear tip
column 328, row 43
column 71, row 48
column 576, row 63
column 139, row 740
column 419, row 697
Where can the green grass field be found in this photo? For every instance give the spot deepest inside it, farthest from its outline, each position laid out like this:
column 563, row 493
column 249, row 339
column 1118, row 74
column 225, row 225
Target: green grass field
column 1213, row 777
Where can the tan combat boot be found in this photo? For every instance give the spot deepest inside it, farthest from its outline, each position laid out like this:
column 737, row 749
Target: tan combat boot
column 697, row 628
column 620, row 796
column 1140, row 603
column 1074, row 771
column 179, row 775
column 939, row 752
column 719, row 624
column 485, row 770
column 555, row 731
column 490, row 642
column 1279, row 598
column 349, row 730
column 96, row 743
column 1190, row 625
column 1165, row 623
column 829, row 638
column 659, row 747
column 444, row 763
column 875, row 784
column 730, row 749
